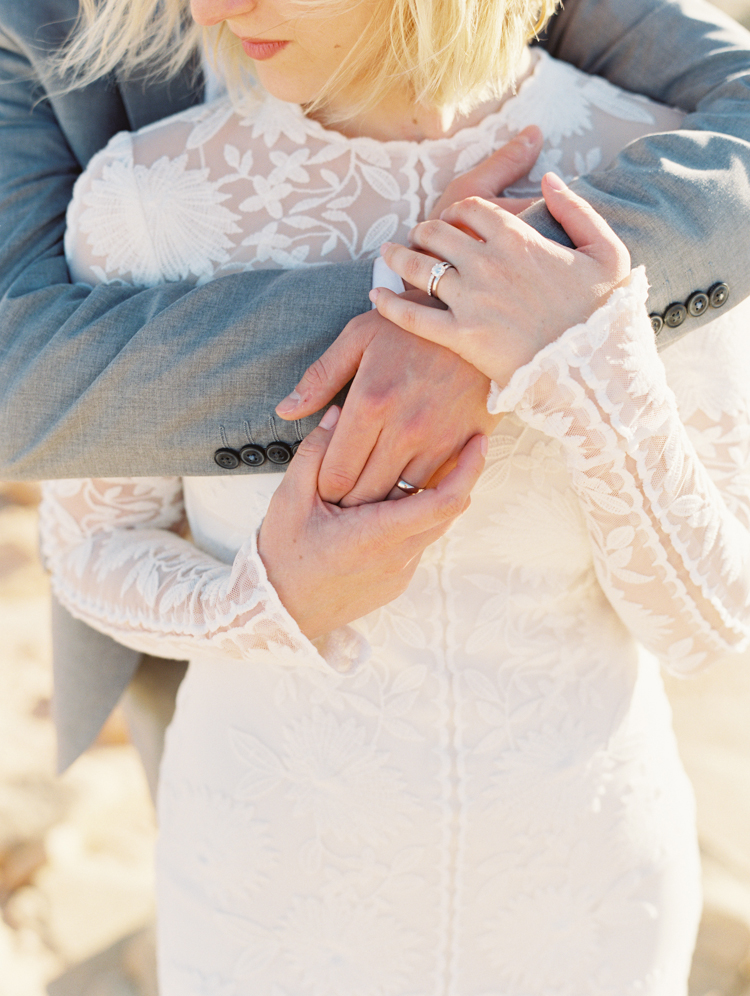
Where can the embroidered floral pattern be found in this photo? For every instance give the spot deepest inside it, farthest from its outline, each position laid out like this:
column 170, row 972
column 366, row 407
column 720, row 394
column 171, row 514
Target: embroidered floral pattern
column 272, row 188
column 334, row 778
column 492, row 804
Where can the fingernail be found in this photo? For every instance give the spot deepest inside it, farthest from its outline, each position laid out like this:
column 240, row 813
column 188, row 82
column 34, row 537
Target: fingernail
column 554, row 181
column 484, row 445
column 374, row 294
column 527, row 136
column 385, row 247
column 330, row 418
column 289, row 403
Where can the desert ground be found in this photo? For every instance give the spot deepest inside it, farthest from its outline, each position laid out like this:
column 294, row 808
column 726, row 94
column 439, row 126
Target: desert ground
column 76, row 874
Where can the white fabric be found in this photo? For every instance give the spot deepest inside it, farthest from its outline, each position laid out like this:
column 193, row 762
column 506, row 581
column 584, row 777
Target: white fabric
column 213, row 191
column 383, row 276
column 492, row 804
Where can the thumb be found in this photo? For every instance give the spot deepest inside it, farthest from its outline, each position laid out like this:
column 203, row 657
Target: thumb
column 500, row 170
column 332, row 371
column 510, row 163
column 588, row 231
column 300, row 482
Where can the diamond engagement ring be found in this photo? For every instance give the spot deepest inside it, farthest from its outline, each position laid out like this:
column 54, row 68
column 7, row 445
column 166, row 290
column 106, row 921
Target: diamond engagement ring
column 408, row 489
column 435, row 274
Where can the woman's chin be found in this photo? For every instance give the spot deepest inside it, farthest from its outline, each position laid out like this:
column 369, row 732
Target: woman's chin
column 279, row 85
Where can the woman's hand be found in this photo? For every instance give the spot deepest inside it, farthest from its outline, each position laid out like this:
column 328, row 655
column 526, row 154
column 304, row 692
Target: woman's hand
column 410, row 408
column 512, row 291
column 330, row 565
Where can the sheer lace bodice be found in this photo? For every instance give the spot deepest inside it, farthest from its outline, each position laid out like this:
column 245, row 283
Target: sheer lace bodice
column 490, row 803
column 214, row 191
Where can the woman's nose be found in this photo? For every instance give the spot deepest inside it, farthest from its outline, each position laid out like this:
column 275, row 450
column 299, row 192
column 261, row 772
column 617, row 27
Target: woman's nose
column 210, row 12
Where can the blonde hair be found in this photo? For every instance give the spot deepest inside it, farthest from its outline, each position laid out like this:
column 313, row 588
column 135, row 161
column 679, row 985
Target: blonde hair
column 444, row 52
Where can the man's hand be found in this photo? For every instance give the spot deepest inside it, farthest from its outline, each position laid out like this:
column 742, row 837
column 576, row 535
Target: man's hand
column 412, row 406
column 331, row 565
column 410, row 410
column 489, row 179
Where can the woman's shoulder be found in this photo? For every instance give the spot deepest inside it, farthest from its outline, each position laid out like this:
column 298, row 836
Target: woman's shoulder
column 586, row 121
column 565, row 101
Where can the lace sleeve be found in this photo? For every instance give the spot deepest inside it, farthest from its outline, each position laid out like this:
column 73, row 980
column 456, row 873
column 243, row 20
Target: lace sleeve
column 119, row 564
column 666, row 501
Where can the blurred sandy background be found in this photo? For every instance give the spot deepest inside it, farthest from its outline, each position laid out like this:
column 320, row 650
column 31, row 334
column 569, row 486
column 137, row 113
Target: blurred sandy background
column 76, row 871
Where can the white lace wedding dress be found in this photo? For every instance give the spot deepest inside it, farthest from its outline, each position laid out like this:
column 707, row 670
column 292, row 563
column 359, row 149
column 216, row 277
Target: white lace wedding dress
column 491, row 802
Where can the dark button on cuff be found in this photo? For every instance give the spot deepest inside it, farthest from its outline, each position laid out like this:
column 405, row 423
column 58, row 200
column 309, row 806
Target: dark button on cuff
column 252, row 455
column 656, row 323
column 295, row 447
column 227, row 459
column 279, row 453
column 718, row 295
column 697, row 304
column 675, row 315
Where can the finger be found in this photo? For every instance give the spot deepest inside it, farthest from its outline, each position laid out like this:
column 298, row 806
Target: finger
column 374, row 483
column 417, row 470
column 513, row 205
column 508, row 164
column 503, row 168
column 585, row 226
column 329, row 373
column 419, row 543
column 399, row 520
column 482, row 217
column 429, row 323
column 442, row 239
column 415, row 267
column 426, row 471
column 348, row 454
column 301, row 479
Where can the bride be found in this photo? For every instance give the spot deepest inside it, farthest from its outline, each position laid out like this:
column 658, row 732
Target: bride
column 474, row 790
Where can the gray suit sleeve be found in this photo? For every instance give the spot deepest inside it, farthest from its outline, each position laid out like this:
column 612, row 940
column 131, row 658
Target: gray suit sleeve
column 681, row 200
column 119, row 381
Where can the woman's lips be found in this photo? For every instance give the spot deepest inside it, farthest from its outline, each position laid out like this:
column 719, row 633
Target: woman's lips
column 259, row 50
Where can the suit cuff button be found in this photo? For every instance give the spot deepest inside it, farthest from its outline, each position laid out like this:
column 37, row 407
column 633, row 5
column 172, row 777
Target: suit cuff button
column 675, row 315
column 252, row 455
column 697, row 304
column 279, row 453
column 657, row 324
column 718, row 295
column 227, row 459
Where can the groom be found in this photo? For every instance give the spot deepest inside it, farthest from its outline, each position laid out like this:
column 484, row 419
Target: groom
column 184, row 380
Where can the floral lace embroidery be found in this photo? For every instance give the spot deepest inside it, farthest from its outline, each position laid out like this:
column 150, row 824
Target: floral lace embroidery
column 117, row 561
column 672, row 555
column 212, row 190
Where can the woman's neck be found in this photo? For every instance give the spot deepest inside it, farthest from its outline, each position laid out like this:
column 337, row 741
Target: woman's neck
column 399, row 118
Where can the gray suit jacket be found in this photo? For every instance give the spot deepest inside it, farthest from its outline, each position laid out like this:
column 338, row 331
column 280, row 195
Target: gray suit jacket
column 118, row 381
